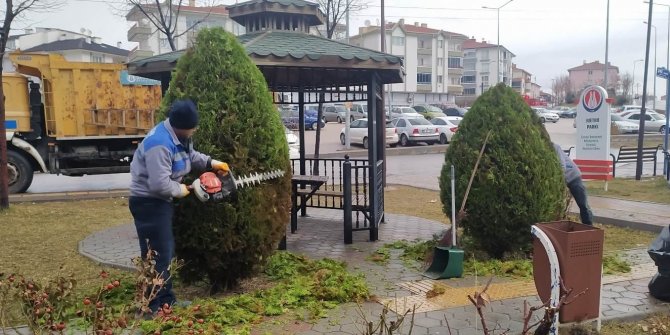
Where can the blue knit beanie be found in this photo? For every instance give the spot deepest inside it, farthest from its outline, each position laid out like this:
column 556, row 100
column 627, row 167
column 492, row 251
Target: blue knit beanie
column 183, row 114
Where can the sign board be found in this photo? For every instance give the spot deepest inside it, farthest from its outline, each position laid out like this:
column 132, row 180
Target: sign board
column 663, row 73
column 593, row 133
column 129, row 79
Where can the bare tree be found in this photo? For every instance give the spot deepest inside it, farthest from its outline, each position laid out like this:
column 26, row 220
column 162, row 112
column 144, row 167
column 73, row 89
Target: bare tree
column 336, row 10
column 13, row 11
column 164, row 16
column 627, row 85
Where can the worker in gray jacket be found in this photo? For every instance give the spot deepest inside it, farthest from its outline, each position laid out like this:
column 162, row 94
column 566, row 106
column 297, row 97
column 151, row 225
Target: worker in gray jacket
column 573, row 178
column 159, row 164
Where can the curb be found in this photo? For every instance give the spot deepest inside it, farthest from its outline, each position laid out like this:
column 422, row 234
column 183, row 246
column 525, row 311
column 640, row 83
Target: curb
column 636, row 225
column 399, row 151
column 67, row 196
column 99, row 261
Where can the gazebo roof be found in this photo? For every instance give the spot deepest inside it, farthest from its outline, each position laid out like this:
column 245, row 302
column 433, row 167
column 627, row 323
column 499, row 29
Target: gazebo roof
column 290, row 60
column 263, row 7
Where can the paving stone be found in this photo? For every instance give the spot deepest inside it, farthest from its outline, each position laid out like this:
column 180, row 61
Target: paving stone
column 634, row 295
column 616, row 288
column 470, row 331
column 623, row 308
column 427, row 322
column 610, row 294
column 629, row 301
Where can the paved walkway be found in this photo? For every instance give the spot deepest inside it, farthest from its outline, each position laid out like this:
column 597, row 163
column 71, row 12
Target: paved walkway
column 320, row 235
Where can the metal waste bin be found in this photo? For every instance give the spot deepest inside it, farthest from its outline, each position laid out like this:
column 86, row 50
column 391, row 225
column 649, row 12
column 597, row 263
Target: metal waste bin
column 579, row 249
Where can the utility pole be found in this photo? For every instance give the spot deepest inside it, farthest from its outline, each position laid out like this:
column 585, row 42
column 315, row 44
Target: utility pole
column 643, row 112
column 607, row 44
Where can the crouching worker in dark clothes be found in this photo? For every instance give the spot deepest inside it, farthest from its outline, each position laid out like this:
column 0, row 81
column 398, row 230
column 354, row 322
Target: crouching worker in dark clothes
column 573, row 178
column 160, row 163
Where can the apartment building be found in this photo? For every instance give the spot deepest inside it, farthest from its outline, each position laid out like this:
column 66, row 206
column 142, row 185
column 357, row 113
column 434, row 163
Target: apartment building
column 433, row 61
column 74, row 46
column 189, row 20
column 521, row 80
column 593, row 74
column 484, row 65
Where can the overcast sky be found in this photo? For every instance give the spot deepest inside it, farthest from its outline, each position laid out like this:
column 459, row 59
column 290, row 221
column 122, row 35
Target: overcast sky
column 548, row 37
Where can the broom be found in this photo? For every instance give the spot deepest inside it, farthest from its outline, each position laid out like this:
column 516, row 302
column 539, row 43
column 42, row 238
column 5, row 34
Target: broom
column 447, row 239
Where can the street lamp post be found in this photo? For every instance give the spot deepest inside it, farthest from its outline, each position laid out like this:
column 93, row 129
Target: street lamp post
column 655, row 40
column 632, row 89
column 498, row 58
column 666, row 162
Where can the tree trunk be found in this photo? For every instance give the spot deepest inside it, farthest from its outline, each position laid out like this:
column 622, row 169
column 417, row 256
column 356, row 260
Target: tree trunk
column 4, row 177
column 317, row 143
column 170, row 39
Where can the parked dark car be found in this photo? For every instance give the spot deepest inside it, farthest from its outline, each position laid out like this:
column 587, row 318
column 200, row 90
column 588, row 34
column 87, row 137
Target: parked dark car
column 451, row 110
column 290, row 119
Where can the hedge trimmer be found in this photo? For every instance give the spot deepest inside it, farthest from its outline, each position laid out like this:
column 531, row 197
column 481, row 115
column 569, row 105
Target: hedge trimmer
column 216, row 187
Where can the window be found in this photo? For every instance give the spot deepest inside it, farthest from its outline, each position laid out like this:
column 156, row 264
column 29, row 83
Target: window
column 398, row 40
column 440, row 61
column 468, row 79
column 421, row 44
column 440, row 44
column 423, row 78
column 485, row 80
column 469, row 91
column 455, row 80
column 439, row 79
column 438, row 122
column 400, row 123
column 454, row 62
column 421, row 61
column 355, row 124
column 634, row 117
column 97, row 58
column 590, row 72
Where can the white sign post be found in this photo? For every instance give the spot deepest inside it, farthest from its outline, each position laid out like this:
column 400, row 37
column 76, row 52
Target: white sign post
column 593, row 134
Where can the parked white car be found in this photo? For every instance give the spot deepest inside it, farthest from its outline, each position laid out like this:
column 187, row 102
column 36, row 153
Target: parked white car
column 397, row 112
column 415, row 130
column 653, row 121
column 625, row 126
column 293, row 143
column 447, row 126
column 358, row 133
column 545, row 115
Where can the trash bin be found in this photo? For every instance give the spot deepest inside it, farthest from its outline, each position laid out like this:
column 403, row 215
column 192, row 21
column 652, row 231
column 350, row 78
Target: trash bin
column 579, row 249
column 659, row 251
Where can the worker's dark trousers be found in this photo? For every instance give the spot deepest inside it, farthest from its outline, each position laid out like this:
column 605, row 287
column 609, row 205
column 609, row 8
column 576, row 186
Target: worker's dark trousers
column 153, row 221
column 578, row 192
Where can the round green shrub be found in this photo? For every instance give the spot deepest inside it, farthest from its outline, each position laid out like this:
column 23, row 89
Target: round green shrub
column 225, row 241
column 519, row 181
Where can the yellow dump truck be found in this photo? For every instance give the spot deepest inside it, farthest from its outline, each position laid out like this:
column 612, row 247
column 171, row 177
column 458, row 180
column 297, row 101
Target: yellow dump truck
column 73, row 118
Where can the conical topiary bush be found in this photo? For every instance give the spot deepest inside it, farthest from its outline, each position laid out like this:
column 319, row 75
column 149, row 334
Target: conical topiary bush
column 225, row 241
column 519, row 181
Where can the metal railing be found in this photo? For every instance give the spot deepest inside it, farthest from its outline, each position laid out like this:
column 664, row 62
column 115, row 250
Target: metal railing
column 347, row 189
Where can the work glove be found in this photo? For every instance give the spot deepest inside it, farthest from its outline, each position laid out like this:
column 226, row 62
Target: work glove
column 185, row 190
column 221, row 167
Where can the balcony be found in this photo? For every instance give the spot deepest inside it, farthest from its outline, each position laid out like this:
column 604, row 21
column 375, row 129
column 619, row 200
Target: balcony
column 139, row 54
column 138, row 33
column 455, row 53
column 424, row 51
column 456, row 71
column 424, row 87
column 455, row 89
column 424, row 69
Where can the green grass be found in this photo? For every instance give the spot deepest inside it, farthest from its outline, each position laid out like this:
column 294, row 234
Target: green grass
column 647, row 189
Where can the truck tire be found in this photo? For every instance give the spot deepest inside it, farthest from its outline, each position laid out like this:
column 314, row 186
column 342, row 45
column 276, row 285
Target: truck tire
column 20, row 172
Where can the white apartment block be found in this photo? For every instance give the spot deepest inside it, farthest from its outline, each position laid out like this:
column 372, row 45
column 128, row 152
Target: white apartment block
column 482, row 68
column 521, row 80
column 153, row 42
column 73, row 46
column 432, row 58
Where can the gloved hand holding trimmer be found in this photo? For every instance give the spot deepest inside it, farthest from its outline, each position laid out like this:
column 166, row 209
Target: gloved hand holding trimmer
column 217, row 186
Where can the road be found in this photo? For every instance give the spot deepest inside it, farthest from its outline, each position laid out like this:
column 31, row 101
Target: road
column 418, row 170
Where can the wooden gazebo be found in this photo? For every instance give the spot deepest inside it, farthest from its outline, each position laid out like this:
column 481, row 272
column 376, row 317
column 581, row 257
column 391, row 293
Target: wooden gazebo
column 301, row 67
